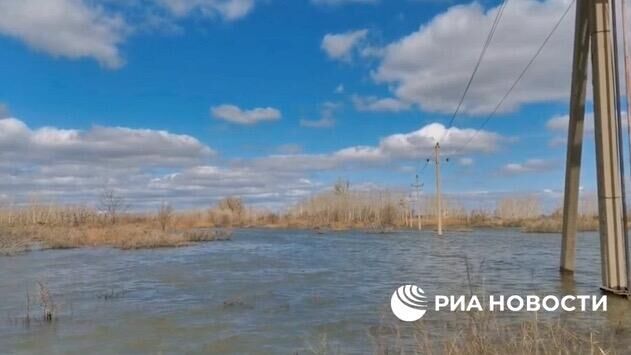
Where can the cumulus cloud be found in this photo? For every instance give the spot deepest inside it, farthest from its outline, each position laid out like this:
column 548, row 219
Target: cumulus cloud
column 65, row 28
column 414, row 145
column 420, row 143
column 77, row 29
column 529, row 166
column 145, row 166
column 430, row 67
column 148, row 166
column 375, row 104
column 234, row 114
column 112, row 146
column 340, row 46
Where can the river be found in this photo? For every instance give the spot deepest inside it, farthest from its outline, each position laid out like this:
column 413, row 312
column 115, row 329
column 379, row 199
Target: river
column 276, row 291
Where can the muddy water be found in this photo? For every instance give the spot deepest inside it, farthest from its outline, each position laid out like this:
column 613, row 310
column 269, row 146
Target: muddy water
column 275, row 292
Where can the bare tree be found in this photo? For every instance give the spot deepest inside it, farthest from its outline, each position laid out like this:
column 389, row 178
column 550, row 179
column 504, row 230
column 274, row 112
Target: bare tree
column 112, row 204
column 233, row 204
column 165, row 214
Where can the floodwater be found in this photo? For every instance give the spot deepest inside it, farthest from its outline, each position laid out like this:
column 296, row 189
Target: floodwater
column 276, row 292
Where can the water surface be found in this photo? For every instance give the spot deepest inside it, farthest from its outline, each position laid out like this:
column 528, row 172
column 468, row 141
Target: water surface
column 275, row 292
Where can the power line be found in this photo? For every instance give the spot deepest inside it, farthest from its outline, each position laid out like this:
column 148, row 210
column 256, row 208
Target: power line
column 521, row 76
column 485, row 46
column 424, row 167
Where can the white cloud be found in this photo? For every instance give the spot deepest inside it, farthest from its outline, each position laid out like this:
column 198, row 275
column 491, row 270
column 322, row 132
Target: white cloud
column 65, row 28
column 420, row 143
column 112, row 146
column 95, row 29
column 529, row 166
column 226, row 9
column 340, row 46
column 431, row 66
column 148, row 166
column 375, row 104
column 234, row 114
column 145, row 166
column 397, row 147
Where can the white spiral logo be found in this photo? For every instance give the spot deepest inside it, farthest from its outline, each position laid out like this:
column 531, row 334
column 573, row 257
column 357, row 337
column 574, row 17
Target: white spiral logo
column 408, row 303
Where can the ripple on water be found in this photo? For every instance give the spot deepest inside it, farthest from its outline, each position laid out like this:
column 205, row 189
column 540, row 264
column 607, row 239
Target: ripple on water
column 273, row 291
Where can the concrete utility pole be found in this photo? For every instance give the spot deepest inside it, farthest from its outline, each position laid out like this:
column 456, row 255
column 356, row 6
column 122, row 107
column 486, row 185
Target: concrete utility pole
column 418, row 186
column 439, row 206
column 593, row 28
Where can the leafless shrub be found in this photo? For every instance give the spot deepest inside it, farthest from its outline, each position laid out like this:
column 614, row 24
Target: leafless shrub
column 518, row 208
column 112, row 204
column 165, row 215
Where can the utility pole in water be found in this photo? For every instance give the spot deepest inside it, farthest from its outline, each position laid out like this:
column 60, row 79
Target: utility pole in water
column 595, row 33
column 439, row 207
column 418, row 186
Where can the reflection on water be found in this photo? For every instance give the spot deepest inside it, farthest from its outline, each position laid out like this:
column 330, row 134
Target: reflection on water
column 275, row 292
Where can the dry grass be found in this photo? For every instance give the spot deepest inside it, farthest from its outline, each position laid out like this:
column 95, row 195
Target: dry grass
column 72, row 226
column 61, row 227
column 554, row 224
column 484, row 334
column 205, row 235
column 12, row 243
column 125, row 236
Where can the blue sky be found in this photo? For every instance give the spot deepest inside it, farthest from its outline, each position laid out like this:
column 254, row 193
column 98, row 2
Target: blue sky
column 273, row 100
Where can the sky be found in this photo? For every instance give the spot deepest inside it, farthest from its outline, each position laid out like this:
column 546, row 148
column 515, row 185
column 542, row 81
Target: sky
column 190, row 101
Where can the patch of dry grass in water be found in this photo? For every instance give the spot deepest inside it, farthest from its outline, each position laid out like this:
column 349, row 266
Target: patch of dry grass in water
column 11, row 243
column 122, row 236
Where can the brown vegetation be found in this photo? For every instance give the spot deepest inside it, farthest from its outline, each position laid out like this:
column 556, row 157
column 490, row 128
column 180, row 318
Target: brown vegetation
column 66, row 226
column 343, row 208
column 61, row 227
column 484, row 334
